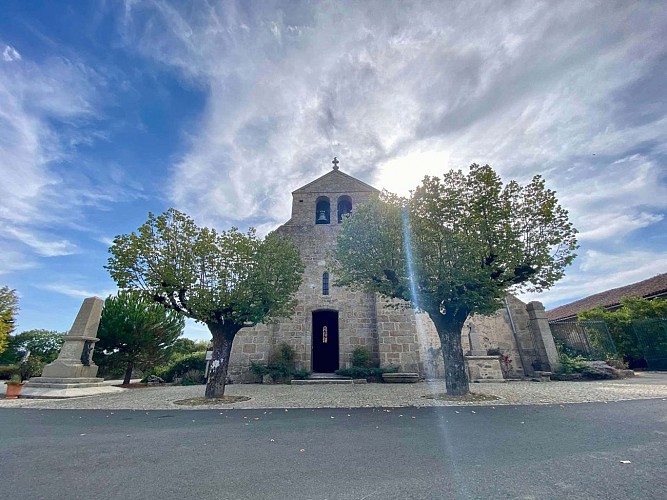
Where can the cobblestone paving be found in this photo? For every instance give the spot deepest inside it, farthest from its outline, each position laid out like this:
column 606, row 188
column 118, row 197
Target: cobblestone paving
column 644, row 386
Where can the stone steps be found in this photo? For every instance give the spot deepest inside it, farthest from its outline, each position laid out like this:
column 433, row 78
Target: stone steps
column 401, row 378
column 327, row 378
column 322, row 381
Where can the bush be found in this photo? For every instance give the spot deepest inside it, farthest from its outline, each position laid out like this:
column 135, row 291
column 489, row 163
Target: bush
column 8, row 371
column 301, row 374
column 31, row 367
column 281, row 366
column 361, row 357
column 569, row 365
column 193, row 377
column 181, row 365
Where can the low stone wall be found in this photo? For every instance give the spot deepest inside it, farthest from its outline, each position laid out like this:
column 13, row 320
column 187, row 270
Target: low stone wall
column 484, row 369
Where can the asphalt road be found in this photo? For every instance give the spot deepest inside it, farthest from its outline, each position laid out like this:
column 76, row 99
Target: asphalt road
column 540, row 452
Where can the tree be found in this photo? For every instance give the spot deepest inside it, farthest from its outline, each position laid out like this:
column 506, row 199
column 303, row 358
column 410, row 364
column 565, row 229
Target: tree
column 8, row 310
column 135, row 331
column 227, row 280
column 187, row 346
column 44, row 344
column 456, row 247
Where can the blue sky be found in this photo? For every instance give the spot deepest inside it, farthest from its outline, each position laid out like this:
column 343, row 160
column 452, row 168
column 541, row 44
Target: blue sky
column 109, row 110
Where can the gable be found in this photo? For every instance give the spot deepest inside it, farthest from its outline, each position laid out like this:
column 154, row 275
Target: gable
column 336, row 181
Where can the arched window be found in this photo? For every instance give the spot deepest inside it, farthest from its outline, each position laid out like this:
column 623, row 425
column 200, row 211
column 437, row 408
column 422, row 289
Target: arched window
column 344, row 207
column 322, row 210
column 325, row 283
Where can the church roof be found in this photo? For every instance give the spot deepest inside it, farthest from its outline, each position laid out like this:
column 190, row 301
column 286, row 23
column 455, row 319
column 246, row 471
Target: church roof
column 610, row 299
column 335, row 177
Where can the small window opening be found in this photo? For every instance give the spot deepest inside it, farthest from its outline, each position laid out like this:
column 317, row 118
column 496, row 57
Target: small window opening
column 322, row 210
column 325, row 284
column 344, row 207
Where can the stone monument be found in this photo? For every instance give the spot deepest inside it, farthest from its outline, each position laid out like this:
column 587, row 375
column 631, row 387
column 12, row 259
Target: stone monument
column 73, row 374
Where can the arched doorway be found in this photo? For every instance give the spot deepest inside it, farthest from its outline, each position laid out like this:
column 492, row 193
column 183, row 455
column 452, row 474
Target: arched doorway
column 325, row 341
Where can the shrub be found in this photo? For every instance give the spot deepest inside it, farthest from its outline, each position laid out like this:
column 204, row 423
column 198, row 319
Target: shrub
column 281, row 366
column 285, row 354
column 301, row 374
column 259, row 370
column 570, row 364
column 493, row 352
column 361, row 357
column 193, row 377
column 31, row 367
column 180, row 365
column 8, row 371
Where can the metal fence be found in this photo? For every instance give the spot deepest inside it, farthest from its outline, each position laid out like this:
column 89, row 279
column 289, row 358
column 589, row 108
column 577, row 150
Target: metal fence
column 651, row 336
column 590, row 339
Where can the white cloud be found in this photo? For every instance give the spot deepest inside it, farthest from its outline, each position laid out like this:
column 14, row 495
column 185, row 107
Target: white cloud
column 525, row 87
column 597, row 271
column 10, row 54
column 77, row 292
column 44, row 246
column 398, row 91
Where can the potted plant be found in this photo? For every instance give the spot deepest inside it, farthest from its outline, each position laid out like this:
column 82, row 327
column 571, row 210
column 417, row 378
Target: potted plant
column 14, row 386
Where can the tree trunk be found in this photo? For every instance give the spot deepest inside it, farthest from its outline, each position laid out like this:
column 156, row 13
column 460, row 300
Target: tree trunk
column 128, row 372
column 223, row 337
column 449, row 331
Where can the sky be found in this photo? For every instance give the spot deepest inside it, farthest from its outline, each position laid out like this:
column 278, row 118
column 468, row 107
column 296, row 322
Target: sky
column 110, row 110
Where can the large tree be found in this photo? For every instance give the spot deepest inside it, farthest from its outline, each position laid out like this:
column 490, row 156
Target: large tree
column 8, row 310
column 455, row 247
column 136, row 332
column 227, row 280
column 44, row 344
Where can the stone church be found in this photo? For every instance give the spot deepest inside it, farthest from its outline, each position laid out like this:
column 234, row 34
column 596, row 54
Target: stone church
column 329, row 321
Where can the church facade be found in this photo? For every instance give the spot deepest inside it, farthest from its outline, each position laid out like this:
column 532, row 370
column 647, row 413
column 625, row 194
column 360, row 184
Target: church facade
column 329, row 322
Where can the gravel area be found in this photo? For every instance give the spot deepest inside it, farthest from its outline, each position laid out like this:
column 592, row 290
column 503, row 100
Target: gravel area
column 646, row 385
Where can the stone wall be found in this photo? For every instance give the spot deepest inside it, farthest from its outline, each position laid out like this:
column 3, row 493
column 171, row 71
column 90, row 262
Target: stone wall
column 393, row 333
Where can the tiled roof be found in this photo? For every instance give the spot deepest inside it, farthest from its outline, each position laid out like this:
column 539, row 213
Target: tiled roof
column 647, row 288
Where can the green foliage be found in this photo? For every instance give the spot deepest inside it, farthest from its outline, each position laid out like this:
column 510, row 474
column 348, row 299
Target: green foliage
column 193, row 377
column 187, row 346
column 226, row 279
column 301, row 374
column 569, row 365
column 456, row 247
column 8, row 371
column 470, row 240
column 205, row 274
column 8, row 311
column 31, row 367
column 281, row 366
column 45, row 344
column 619, row 322
column 361, row 357
column 135, row 332
column 181, row 365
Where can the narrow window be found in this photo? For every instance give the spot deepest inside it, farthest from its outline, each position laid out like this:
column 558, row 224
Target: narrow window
column 344, row 207
column 325, row 284
column 322, row 210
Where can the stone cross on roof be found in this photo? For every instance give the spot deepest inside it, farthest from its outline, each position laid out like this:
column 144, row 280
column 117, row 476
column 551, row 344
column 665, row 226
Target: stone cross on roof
column 335, row 163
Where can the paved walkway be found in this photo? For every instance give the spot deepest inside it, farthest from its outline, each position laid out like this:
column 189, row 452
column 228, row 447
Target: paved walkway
column 646, row 385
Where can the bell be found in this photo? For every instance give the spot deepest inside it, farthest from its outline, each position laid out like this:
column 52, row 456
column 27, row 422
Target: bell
column 322, row 217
